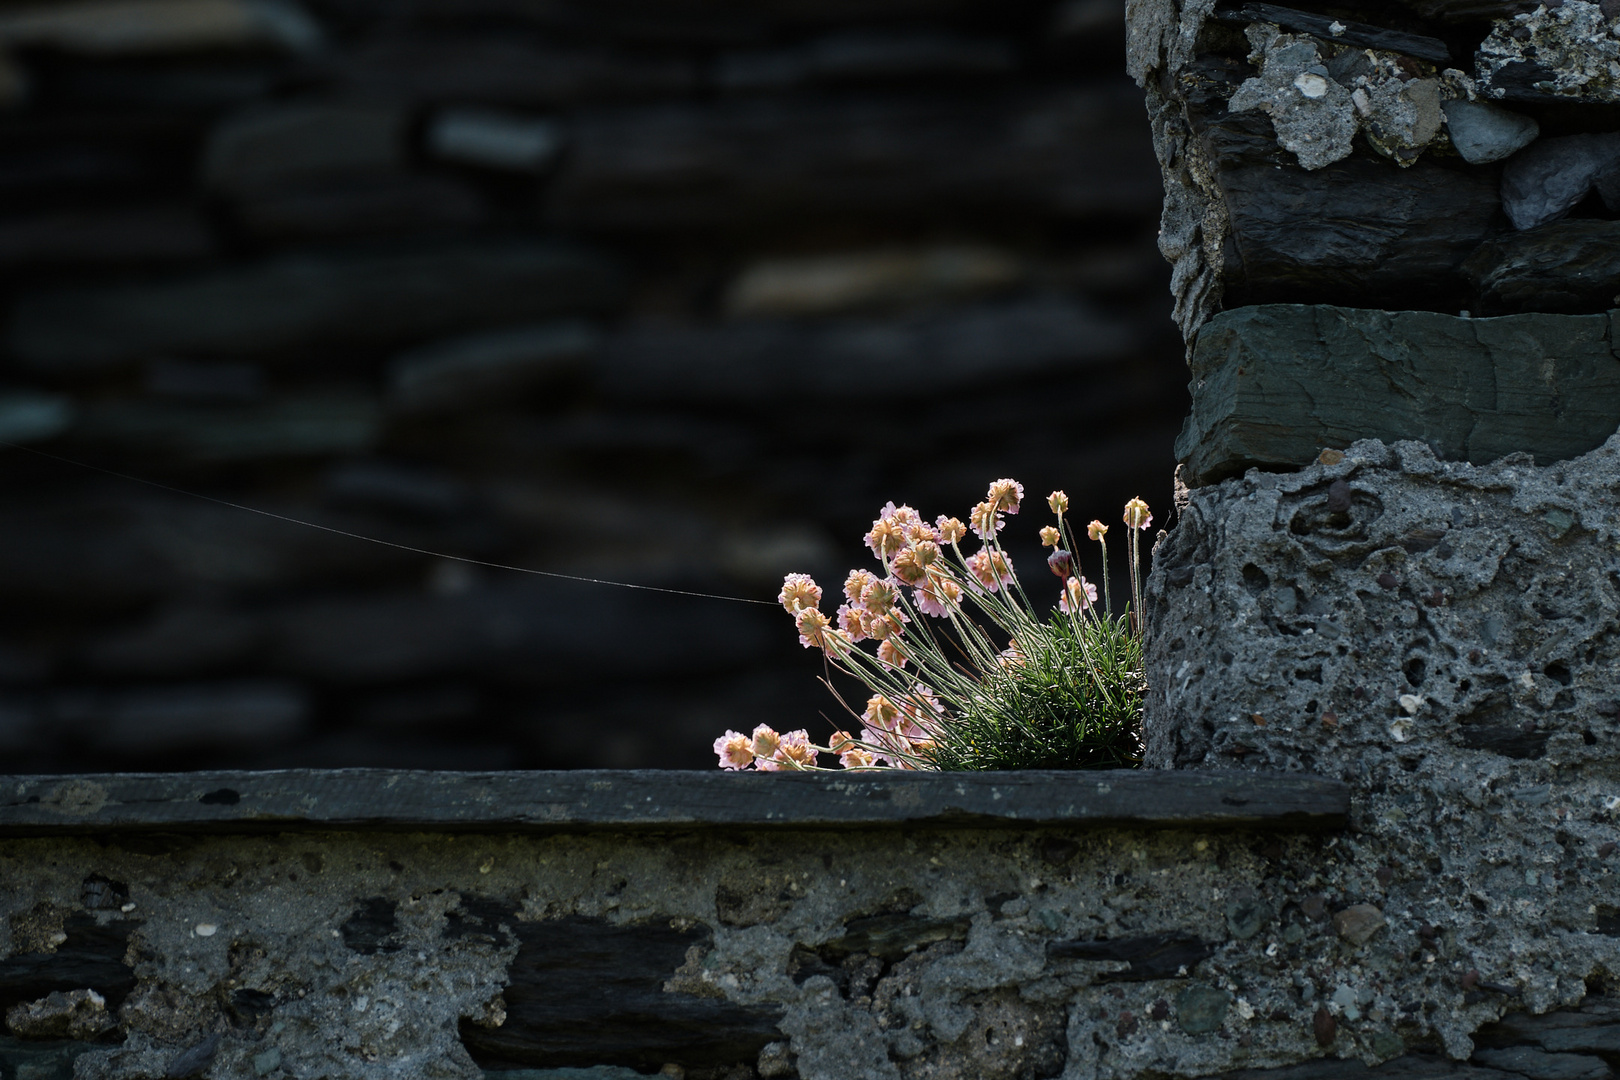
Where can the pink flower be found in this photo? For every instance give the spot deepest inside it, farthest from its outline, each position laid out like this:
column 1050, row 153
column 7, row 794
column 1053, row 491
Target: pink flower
column 812, row 626
column 926, row 552
column 880, row 597
column 920, row 532
column 765, row 742
column 880, row 712
column 1011, row 657
column 1006, row 495
column 856, row 583
column 794, row 752
column 1078, row 595
column 799, row 591
column 1059, row 503
column 887, row 537
column 890, row 654
column 1050, row 537
column 736, row 750
column 887, row 625
column 984, row 520
column 950, row 529
column 907, row 568
column 853, row 621
column 1096, row 530
column 992, row 568
column 1136, row 514
column 857, row 758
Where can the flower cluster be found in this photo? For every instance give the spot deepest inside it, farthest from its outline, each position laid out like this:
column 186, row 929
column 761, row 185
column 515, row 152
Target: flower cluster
column 937, row 618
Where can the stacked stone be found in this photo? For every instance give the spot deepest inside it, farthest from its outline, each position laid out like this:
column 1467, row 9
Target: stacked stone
column 1395, row 555
column 675, row 294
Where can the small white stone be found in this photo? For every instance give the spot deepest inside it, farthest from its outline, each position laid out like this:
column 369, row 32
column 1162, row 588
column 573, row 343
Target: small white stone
column 1400, row 730
column 206, row 929
column 127, row 908
column 1336, row 28
column 1410, row 704
column 1310, row 84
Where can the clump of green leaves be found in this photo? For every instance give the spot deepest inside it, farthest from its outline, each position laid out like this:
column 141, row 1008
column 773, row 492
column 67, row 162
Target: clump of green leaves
column 1065, row 692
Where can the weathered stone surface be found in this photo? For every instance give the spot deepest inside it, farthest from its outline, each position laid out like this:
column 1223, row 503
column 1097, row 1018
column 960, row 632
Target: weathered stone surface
column 1540, row 1065
column 1564, row 53
column 1483, row 133
column 77, row 1014
column 620, row 799
column 1345, row 31
column 1311, row 113
column 1358, row 923
column 301, row 303
column 1273, row 385
column 1201, row 1009
column 897, row 158
column 484, row 368
column 1563, row 266
column 1546, row 181
column 756, row 360
column 1354, row 232
column 139, row 27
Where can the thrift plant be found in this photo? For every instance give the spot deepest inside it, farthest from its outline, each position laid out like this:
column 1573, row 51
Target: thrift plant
column 963, row 673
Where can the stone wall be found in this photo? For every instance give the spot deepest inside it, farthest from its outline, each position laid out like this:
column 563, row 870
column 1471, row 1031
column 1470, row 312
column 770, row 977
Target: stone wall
column 675, row 293
column 1394, row 558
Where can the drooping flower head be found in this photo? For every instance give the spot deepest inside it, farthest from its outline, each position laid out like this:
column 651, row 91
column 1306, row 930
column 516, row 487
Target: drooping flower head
column 736, row 750
column 1078, row 595
column 880, row 597
column 854, row 621
column 984, row 520
column 856, row 758
column 1011, row 657
column 799, row 591
column 1059, row 503
column 765, row 741
column 890, row 531
column 855, row 584
column 1097, row 530
column 991, row 568
column 794, row 752
column 1005, row 495
column 1050, row 537
column 926, row 552
column 950, row 529
column 906, row 567
column 1061, row 563
column 920, row 532
column 1136, row 514
column 890, row 653
column 813, row 628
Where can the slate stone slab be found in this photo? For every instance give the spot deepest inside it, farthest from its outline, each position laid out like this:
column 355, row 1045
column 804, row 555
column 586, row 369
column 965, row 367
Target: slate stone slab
column 1354, row 232
column 1349, row 32
column 1275, row 384
column 629, row 799
column 1571, row 267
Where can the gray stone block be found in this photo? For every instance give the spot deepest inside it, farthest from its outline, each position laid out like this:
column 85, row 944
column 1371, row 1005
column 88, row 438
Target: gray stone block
column 1540, row 1065
column 1483, row 133
column 1274, row 385
column 302, row 307
column 493, row 139
column 1571, row 267
column 481, row 368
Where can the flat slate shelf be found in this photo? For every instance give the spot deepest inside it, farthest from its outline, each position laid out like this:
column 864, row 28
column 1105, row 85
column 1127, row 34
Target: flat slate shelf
column 234, row 802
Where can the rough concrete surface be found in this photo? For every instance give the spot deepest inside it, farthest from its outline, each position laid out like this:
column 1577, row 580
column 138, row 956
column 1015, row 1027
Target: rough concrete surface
column 1443, row 636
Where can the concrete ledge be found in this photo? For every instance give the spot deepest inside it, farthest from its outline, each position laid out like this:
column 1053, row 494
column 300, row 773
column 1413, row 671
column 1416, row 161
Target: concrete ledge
column 384, row 799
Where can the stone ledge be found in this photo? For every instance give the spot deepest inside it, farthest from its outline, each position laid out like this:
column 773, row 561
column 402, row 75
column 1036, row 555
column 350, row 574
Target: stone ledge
column 618, row 800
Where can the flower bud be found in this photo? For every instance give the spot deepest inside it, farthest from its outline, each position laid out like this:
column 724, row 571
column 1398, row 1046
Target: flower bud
column 1136, row 514
column 1097, row 530
column 1050, row 537
column 1061, row 563
column 1059, row 503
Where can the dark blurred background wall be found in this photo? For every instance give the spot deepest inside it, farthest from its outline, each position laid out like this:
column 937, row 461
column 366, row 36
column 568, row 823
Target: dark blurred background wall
column 675, row 292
